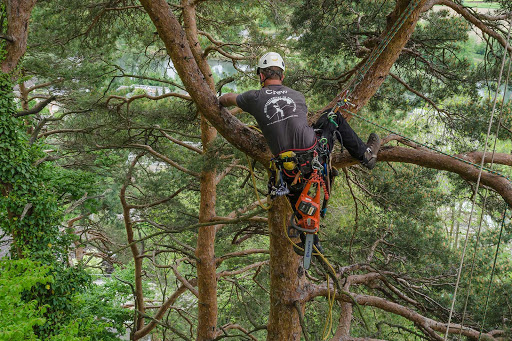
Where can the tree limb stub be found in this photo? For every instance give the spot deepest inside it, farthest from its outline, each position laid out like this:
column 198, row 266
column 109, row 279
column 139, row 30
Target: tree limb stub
column 18, row 16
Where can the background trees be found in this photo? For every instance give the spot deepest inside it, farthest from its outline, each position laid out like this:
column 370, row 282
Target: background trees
column 135, row 184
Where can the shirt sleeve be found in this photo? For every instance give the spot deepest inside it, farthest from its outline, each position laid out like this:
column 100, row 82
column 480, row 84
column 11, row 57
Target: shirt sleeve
column 247, row 100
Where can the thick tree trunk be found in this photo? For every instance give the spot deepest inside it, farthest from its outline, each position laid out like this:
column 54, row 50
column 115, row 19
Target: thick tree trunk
column 18, row 16
column 205, row 250
column 379, row 70
column 287, row 280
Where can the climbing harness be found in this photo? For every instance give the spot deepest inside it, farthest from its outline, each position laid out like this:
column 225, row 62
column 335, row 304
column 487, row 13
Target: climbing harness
column 305, row 172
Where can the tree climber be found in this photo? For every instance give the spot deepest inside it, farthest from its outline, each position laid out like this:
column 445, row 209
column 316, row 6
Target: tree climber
column 281, row 113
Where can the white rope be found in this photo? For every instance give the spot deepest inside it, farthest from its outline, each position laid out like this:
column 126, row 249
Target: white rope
column 477, row 185
column 484, row 205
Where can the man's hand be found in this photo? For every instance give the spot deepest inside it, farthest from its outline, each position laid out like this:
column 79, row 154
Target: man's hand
column 228, row 100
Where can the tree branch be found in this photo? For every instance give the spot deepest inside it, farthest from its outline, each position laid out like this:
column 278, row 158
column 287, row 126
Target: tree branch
column 431, row 159
column 164, row 158
column 9, row 38
column 417, row 93
column 475, row 21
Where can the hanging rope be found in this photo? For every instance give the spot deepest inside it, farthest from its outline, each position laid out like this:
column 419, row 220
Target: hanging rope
column 505, row 210
column 382, row 45
column 492, row 275
column 477, row 185
column 484, row 205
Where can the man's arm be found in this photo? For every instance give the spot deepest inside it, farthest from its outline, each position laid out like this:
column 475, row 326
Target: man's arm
column 228, row 100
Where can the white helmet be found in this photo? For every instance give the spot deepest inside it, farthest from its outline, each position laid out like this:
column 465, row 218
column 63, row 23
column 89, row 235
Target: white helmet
column 270, row 59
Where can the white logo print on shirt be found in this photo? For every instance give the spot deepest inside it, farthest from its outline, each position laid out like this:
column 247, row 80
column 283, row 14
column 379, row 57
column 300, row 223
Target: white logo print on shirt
column 274, row 109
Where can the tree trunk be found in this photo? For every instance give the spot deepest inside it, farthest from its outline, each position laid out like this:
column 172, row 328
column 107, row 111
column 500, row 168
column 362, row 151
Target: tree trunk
column 287, row 280
column 18, row 16
column 205, row 250
column 377, row 73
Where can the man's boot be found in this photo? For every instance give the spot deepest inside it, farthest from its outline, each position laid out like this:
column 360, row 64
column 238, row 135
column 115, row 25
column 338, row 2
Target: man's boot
column 372, row 148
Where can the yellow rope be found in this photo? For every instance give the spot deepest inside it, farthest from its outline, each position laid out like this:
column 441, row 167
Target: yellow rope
column 328, row 322
column 325, row 335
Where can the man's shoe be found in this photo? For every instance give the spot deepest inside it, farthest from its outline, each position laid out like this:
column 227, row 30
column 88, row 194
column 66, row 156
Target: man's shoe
column 372, row 148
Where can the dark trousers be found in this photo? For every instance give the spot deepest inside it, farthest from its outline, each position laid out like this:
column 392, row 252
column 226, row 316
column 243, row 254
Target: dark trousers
column 344, row 134
column 327, row 129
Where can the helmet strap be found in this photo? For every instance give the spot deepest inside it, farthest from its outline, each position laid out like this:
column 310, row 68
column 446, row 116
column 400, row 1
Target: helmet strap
column 262, row 79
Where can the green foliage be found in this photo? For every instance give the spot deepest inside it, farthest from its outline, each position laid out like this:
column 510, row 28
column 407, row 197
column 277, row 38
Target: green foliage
column 34, row 307
column 88, row 48
column 20, row 315
column 30, row 212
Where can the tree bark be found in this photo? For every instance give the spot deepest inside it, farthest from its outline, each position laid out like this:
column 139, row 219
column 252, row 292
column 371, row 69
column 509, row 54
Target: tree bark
column 430, row 159
column 205, row 250
column 379, row 70
column 18, row 16
column 287, row 280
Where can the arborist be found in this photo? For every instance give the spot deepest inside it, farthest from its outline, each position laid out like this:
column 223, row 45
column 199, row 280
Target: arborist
column 299, row 150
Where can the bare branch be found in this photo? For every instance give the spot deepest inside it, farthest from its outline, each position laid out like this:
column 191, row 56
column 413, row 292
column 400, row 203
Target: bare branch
column 417, row 93
column 184, row 281
column 44, row 85
column 161, row 201
column 37, row 108
column 226, row 171
column 181, row 143
column 154, row 98
column 7, row 37
column 242, row 270
column 164, row 158
column 240, row 254
column 123, row 74
column 475, row 21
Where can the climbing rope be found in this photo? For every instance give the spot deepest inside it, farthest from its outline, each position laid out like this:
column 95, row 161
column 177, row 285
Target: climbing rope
column 382, row 45
column 492, row 275
column 477, row 184
column 505, row 210
column 485, row 198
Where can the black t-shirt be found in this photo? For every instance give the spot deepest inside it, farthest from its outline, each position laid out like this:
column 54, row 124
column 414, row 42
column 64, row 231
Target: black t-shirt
column 281, row 114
